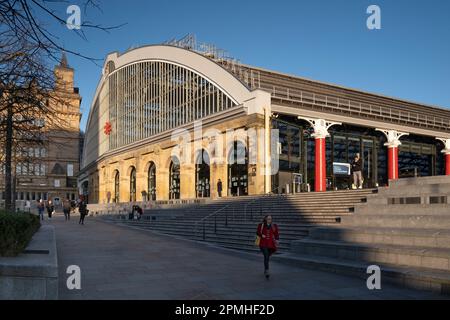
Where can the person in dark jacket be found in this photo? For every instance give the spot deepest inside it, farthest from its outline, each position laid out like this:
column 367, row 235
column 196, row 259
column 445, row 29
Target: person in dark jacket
column 269, row 240
column 50, row 208
column 41, row 209
column 357, row 172
column 140, row 212
column 219, row 188
column 82, row 208
column 66, row 208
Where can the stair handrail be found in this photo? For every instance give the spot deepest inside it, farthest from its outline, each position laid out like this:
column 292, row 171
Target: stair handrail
column 269, row 194
column 214, row 214
column 217, row 212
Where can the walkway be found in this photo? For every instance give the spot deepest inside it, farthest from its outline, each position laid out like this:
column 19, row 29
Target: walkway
column 123, row 263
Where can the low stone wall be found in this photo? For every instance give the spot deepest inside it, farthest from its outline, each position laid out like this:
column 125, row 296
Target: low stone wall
column 32, row 275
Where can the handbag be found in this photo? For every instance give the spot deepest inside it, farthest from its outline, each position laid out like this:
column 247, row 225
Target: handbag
column 258, row 238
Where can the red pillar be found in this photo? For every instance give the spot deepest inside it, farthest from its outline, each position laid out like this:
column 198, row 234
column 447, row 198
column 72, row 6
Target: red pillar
column 392, row 163
column 447, row 164
column 320, row 165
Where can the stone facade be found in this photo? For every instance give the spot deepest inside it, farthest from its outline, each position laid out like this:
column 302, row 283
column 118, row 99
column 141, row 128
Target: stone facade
column 102, row 176
column 147, row 95
column 58, row 158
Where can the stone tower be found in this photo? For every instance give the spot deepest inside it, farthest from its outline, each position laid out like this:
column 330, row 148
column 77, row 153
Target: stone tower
column 64, row 134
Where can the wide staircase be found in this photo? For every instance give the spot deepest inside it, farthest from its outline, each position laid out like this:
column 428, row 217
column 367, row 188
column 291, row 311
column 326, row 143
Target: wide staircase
column 404, row 229
column 231, row 222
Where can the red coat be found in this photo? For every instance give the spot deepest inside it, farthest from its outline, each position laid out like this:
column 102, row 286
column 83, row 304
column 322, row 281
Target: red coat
column 271, row 235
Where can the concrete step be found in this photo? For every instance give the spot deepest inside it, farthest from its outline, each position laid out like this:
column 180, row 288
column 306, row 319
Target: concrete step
column 436, row 238
column 289, row 219
column 414, row 256
column 237, row 223
column 403, row 209
column 343, row 195
column 230, row 231
column 424, row 221
column 404, row 182
column 414, row 278
column 231, row 241
column 396, row 190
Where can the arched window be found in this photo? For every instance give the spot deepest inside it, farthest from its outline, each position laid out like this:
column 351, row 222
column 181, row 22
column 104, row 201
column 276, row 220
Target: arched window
column 238, row 170
column 117, row 187
column 161, row 98
column 151, row 182
column 202, row 175
column 174, row 179
column 133, row 185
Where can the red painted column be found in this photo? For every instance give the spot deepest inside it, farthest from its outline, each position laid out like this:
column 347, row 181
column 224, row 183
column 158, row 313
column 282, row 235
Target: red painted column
column 447, row 164
column 392, row 163
column 320, row 165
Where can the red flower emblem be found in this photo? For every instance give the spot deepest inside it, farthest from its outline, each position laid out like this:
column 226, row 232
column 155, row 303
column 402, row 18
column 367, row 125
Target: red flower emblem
column 107, row 128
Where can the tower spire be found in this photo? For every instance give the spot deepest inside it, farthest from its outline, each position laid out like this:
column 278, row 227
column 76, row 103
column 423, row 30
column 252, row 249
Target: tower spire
column 64, row 62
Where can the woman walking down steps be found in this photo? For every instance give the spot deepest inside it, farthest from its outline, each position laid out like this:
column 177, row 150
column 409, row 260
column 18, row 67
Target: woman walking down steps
column 268, row 238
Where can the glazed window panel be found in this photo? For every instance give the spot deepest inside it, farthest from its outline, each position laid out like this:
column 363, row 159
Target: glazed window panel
column 150, row 97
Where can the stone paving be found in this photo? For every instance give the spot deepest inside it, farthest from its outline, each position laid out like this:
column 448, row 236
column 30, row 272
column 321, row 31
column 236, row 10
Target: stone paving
column 123, row 263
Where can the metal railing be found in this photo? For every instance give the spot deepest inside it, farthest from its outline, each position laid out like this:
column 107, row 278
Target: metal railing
column 338, row 105
column 214, row 215
column 259, row 201
column 323, row 102
column 225, row 212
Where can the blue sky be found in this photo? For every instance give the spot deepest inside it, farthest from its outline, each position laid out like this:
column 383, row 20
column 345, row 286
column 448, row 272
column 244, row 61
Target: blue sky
column 325, row 40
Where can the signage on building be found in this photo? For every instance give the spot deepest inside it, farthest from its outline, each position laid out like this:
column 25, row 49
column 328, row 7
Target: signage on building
column 107, row 128
column 342, row 169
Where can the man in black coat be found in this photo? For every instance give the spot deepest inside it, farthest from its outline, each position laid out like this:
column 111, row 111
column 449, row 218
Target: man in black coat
column 82, row 208
column 219, row 188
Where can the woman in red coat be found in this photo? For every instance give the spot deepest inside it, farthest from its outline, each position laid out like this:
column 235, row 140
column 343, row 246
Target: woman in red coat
column 269, row 238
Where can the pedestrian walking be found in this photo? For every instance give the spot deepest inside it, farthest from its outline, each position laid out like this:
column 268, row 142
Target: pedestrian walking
column 67, row 206
column 41, row 208
column 82, row 208
column 50, row 208
column 267, row 238
column 357, row 172
column 219, row 188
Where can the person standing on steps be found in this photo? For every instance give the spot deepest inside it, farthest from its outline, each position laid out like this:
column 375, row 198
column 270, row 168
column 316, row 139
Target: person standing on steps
column 219, row 188
column 82, row 208
column 50, row 208
column 357, row 172
column 268, row 240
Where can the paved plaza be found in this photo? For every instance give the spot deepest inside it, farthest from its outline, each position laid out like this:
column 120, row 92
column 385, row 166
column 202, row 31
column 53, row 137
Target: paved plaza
column 122, row 263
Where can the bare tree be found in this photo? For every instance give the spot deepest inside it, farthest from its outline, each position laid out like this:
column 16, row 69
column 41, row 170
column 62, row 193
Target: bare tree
column 27, row 83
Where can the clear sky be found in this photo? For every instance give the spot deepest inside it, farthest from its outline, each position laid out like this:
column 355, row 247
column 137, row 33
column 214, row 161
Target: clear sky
column 325, row 40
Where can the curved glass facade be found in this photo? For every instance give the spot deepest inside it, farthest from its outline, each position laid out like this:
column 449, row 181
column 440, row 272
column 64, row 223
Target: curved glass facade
column 150, row 97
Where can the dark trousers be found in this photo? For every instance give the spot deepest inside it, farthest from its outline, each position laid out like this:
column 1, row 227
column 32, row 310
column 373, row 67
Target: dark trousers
column 266, row 253
column 220, row 193
column 82, row 218
column 67, row 214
